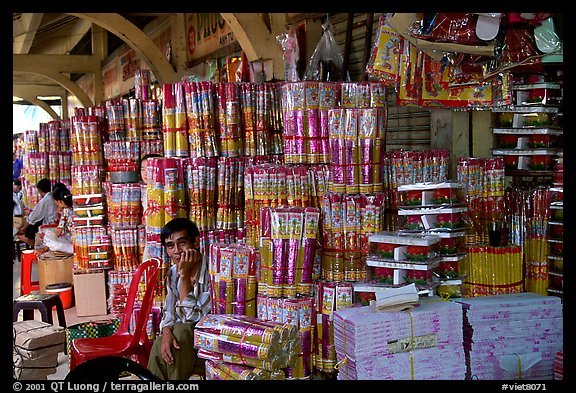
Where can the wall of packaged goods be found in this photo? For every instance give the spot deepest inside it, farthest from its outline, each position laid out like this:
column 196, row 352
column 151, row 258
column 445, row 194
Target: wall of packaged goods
column 319, row 200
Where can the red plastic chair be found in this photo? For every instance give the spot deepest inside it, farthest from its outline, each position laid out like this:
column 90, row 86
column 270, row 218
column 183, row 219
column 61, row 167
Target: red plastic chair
column 122, row 342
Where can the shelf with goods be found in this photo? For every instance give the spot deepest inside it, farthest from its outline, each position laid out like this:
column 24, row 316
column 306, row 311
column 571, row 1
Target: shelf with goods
column 556, row 243
column 529, row 133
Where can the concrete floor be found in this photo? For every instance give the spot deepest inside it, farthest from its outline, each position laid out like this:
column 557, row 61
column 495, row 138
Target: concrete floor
column 70, row 313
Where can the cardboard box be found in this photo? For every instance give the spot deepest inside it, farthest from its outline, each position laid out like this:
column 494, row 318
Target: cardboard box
column 54, row 268
column 90, row 293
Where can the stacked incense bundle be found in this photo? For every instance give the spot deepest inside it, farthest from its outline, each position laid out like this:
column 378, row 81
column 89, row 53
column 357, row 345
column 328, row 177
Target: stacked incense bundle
column 276, row 185
column 406, row 167
column 90, row 240
column 115, row 120
column 330, row 296
column 58, row 150
column 247, row 341
column 347, row 221
column 401, row 345
column 528, row 212
column 201, row 116
column 513, row 336
column 124, row 207
column 200, row 181
column 142, row 78
column 258, row 103
column 226, row 371
column 230, row 137
column 357, row 149
column 122, row 156
column 151, row 128
column 166, row 191
column 86, row 141
column 288, row 242
column 483, row 181
column 491, row 270
column 169, row 120
column 132, row 118
column 126, row 248
column 230, row 193
column 298, row 313
column 233, row 274
column 305, row 107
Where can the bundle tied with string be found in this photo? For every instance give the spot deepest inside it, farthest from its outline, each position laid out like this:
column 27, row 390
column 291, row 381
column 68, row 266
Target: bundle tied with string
column 247, row 339
column 401, row 345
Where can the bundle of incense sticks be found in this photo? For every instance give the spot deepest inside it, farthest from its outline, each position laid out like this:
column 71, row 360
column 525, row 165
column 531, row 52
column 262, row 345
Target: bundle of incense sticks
column 122, row 156
column 169, row 120
column 83, row 238
column 115, row 120
column 229, row 134
column 298, row 313
column 288, row 237
column 200, row 183
column 407, row 167
column 347, row 221
column 142, row 79
column 201, row 115
column 331, row 296
column 275, row 185
column 528, row 212
column 123, row 205
column 357, row 147
column 151, row 127
column 492, row 270
column 133, row 118
column 180, row 121
column 248, row 349
column 483, row 181
column 233, row 274
column 86, row 141
column 227, row 371
column 126, row 249
column 230, row 193
column 305, row 106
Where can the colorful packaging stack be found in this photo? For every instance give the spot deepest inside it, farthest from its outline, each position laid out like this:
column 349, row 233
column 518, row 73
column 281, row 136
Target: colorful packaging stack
column 201, row 184
column 230, row 193
column 201, row 116
column 357, row 137
column 233, row 273
column 305, row 107
column 288, row 244
column 273, row 185
column 483, row 181
column 298, row 313
column 330, row 296
column 406, row 167
column 512, row 336
column 230, row 138
column 231, row 340
column 347, row 222
column 401, row 345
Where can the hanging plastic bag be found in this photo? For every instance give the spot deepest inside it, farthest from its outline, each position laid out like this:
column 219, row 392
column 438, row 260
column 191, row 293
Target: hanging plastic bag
column 326, row 63
column 289, row 43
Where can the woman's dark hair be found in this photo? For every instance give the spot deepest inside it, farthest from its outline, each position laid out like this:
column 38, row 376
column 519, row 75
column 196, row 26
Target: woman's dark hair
column 62, row 193
column 17, row 182
column 176, row 225
column 44, row 185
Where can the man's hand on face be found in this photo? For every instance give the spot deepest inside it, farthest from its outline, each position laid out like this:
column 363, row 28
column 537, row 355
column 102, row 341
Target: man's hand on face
column 189, row 262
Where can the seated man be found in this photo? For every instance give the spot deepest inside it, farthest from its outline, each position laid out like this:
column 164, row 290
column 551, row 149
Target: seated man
column 45, row 212
column 173, row 356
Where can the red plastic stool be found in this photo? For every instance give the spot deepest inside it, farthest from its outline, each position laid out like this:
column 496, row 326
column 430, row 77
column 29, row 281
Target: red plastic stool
column 26, row 283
